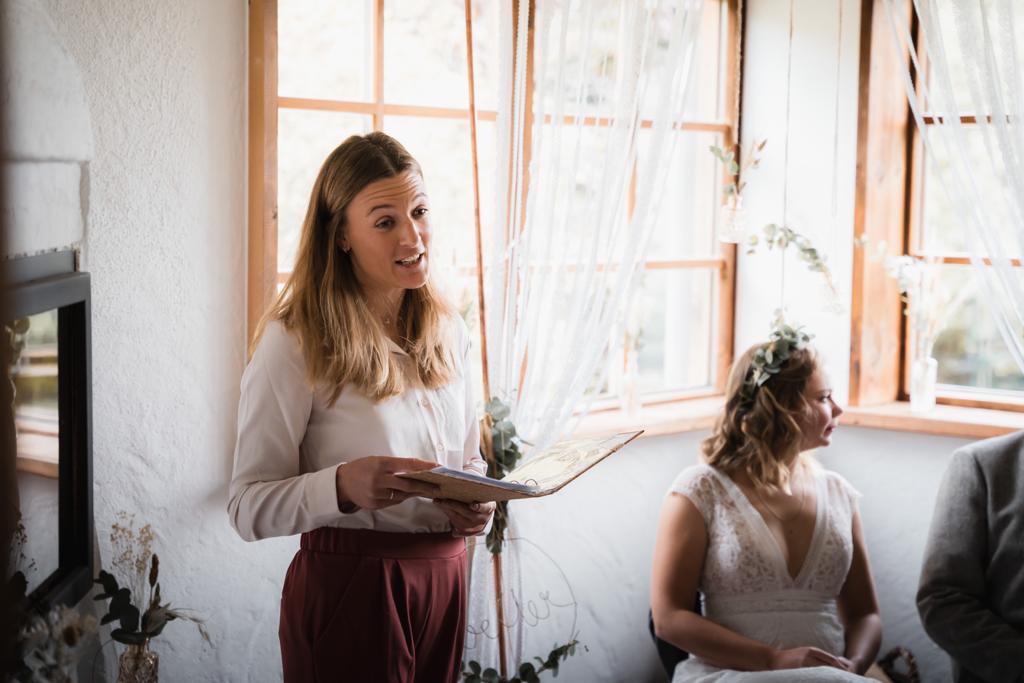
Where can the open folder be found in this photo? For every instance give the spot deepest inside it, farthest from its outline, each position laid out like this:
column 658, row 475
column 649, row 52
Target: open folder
column 541, row 475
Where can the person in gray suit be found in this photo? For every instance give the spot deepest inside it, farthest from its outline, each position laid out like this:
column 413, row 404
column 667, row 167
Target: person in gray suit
column 971, row 595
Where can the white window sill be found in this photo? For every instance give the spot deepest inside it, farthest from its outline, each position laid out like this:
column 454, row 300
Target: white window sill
column 943, row 420
column 676, row 417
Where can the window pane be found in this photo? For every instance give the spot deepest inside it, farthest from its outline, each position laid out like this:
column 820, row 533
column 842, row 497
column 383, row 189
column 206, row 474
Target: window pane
column 325, row 49
column 970, row 350
column 707, row 92
column 37, row 420
column 688, row 206
column 425, row 53
column 677, row 329
column 442, row 146
column 942, row 229
column 304, row 139
column 705, row 99
column 585, row 205
column 958, row 73
column 591, row 66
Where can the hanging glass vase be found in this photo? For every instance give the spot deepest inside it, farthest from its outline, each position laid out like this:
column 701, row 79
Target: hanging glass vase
column 923, row 377
column 138, row 664
column 732, row 220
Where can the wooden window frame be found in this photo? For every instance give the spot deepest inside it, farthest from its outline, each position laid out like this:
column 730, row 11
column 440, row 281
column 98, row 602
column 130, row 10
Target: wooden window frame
column 263, row 277
column 890, row 161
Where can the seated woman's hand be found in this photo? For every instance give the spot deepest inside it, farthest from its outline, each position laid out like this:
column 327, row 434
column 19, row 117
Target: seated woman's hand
column 803, row 657
column 371, row 482
column 468, row 519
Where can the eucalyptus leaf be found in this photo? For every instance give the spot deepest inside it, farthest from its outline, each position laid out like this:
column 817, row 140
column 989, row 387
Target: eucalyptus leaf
column 497, row 409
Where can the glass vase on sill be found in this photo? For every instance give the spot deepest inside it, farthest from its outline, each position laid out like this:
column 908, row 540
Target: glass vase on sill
column 923, row 377
column 732, row 220
column 138, row 664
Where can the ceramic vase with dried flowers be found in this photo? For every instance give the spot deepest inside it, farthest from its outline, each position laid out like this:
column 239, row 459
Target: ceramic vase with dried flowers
column 138, row 566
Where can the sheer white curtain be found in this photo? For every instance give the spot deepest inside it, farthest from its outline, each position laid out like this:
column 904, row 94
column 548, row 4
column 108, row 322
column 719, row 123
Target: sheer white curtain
column 562, row 258
column 559, row 271
column 973, row 51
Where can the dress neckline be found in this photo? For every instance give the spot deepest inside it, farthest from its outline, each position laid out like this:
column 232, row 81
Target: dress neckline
column 769, row 543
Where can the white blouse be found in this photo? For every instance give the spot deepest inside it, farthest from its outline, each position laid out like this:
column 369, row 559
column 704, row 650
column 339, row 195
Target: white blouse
column 290, row 442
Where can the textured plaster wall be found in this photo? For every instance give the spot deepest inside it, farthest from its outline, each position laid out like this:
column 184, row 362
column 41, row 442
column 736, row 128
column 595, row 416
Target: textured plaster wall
column 165, row 244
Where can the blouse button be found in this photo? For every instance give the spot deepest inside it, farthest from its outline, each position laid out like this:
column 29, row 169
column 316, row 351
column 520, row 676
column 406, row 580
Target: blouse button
column 424, row 402
column 439, row 446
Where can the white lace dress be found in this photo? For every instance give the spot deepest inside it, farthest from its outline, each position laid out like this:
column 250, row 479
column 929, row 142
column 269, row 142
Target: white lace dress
column 747, row 587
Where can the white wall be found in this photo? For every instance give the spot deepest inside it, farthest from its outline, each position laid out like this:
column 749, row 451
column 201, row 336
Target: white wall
column 165, row 244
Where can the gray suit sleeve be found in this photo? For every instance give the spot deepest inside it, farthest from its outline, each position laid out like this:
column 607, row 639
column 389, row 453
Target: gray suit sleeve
column 952, row 598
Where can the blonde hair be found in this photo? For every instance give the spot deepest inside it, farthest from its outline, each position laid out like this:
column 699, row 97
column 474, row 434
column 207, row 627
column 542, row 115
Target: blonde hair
column 758, row 433
column 324, row 304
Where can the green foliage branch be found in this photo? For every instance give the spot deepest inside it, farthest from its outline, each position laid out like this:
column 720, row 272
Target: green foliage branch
column 782, row 237
column 736, row 171
column 772, row 355
column 526, row 672
column 504, row 456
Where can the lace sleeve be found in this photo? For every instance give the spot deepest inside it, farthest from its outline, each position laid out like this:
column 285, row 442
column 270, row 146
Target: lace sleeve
column 696, row 483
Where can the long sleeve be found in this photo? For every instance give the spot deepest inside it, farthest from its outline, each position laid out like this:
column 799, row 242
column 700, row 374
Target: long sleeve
column 472, row 460
column 268, row 495
column 953, row 598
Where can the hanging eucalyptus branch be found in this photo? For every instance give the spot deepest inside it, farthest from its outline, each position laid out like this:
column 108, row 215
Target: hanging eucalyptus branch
column 473, row 672
column 500, row 446
column 737, row 172
column 501, row 451
column 782, row 237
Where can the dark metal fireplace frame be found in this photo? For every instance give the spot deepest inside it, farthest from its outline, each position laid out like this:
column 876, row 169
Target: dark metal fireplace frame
column 37, row 284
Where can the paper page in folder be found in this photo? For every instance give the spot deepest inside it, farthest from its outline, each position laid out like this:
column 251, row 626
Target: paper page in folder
column 566, row 460
column 544, row 473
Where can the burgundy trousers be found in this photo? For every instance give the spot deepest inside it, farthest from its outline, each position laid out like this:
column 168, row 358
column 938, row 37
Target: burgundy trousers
column 374, row 607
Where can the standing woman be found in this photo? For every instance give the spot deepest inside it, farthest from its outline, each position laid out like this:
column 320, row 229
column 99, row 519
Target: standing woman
column 360, row 371
column 771, row 540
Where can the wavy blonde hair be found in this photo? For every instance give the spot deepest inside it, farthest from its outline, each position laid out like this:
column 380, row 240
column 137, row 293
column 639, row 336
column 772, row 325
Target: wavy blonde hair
column 759, row 434
column 323, row 303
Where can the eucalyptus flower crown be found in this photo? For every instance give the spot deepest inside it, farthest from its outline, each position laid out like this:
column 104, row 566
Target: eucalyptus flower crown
column 769, row 358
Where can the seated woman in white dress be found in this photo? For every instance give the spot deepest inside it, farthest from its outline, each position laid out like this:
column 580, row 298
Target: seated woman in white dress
column 771, row 540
